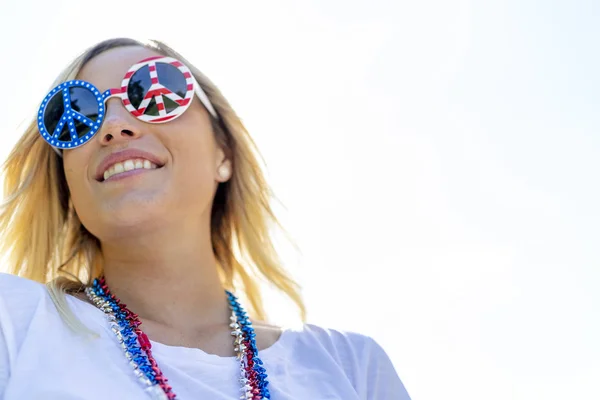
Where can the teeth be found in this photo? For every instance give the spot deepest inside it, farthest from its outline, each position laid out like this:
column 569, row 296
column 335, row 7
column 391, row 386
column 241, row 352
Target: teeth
column 128, row 165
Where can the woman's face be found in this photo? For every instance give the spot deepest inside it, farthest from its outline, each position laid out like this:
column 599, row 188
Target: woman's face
column 181, row 186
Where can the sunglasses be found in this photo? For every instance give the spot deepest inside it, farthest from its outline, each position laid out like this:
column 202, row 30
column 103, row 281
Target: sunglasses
column 154, row 90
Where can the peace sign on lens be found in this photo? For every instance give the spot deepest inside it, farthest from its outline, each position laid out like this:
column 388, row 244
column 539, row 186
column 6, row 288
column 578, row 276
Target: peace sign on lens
column 155, row 90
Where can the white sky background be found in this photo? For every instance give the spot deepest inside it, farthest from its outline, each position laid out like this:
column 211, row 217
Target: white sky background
column 438, row 161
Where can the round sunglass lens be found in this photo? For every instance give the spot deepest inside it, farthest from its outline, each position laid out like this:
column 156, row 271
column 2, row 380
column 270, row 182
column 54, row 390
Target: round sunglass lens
column 172, row 78
column 139, row 84
column 168, row 76
column 83, row 102
column 53, row 112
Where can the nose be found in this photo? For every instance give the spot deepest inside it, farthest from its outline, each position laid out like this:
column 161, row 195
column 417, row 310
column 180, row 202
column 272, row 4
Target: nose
column 119, row 125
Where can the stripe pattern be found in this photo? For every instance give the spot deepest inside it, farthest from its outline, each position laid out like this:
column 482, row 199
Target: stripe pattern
column 70, row 117
column 156, row 91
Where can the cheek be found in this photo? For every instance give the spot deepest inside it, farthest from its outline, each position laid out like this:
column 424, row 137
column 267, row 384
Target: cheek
column 75, row 174
column 73, row 178
column 194, row 164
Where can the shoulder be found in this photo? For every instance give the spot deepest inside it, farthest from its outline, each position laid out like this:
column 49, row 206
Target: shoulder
column 348, row 349
column 15, row 290
column 19, row 299
column 16, row 284
column 364, row 362
column 332, row 341
column 336, row 340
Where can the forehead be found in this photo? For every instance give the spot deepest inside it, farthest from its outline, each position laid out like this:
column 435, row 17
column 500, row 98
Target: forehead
column 107, row 69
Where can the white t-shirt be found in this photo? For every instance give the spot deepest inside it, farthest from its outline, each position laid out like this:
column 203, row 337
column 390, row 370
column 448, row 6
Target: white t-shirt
column 41, row 358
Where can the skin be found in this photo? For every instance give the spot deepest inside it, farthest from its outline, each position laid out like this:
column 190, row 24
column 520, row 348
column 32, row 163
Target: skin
column 154, row 227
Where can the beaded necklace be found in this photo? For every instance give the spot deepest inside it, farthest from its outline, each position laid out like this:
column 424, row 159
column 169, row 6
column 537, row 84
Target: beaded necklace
column 138, row 349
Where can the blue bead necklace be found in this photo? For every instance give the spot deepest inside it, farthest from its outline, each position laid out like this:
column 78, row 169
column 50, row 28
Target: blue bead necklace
column 138, row 348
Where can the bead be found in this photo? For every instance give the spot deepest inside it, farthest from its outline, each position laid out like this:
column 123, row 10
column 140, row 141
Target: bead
column 156, row 393
column 144, row 341
column 137, row 346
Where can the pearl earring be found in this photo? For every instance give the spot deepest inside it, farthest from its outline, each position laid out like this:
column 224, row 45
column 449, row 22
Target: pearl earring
column 224, row 171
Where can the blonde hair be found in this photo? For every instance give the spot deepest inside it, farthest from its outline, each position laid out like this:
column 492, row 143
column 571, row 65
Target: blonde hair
column 44, row 240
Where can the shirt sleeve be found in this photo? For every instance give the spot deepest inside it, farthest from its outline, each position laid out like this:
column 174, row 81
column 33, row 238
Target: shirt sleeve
column 19, row 298
column 383, row 383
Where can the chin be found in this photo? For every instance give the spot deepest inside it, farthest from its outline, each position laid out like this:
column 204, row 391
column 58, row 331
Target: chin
column 129, row 215
column 134, row 219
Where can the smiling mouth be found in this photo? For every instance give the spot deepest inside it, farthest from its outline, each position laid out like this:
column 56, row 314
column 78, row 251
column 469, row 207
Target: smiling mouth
column 125, row 168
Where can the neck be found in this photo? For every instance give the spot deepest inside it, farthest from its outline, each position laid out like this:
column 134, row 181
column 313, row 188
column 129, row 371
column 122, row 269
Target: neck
column 168, row 277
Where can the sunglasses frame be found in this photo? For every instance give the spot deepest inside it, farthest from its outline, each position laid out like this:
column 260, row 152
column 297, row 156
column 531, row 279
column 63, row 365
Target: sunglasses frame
column 156, row 91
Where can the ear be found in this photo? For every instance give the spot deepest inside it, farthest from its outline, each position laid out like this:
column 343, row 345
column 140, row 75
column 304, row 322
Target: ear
column 224, row 169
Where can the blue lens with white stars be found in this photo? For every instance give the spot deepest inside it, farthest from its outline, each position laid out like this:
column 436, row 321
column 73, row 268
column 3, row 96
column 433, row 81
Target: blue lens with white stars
column 71, row 114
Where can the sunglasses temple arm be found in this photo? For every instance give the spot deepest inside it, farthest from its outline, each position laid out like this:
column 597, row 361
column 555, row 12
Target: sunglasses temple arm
column 57, row 151
column 204, row 99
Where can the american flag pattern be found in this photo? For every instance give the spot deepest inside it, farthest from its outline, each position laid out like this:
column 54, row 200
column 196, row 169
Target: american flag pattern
column 157, row 91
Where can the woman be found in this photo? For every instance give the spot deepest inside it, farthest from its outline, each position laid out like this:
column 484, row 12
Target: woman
column 143, row 215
